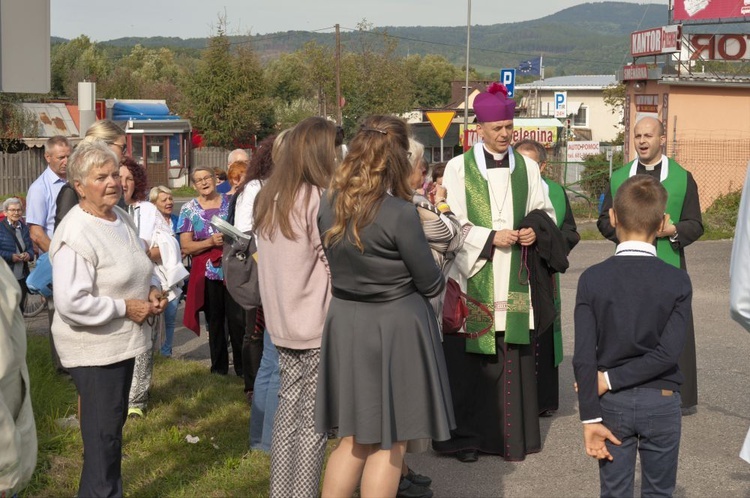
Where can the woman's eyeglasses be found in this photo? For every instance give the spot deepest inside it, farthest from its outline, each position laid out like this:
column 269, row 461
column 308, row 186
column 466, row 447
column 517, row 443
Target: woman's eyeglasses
column 205, row 179
column 123, row 147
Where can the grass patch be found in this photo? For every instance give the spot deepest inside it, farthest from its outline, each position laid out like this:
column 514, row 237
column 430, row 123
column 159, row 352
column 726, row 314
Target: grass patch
column 184, row 192
column 157, row 460
column 53, row 397
column 583, row 210
column 590, row 234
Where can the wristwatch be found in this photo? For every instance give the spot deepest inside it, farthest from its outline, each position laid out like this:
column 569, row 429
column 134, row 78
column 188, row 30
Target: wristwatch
column 673, row 238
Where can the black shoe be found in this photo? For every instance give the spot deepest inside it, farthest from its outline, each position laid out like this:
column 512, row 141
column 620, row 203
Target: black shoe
column 407, row 489
column 547, row 413
column 467, row 456
column 418, row 479
column 690, row 410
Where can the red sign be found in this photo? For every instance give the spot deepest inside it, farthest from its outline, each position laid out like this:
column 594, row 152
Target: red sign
column 693, row 10
column 635, row 72
column 656, row 41
column 720, row 47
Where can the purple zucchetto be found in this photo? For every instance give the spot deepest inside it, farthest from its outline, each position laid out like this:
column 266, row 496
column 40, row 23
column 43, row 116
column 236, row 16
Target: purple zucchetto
column 494, row 104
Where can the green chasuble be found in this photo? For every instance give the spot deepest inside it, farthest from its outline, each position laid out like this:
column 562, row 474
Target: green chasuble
column 482, row 285
column 557, row 196
column 676, row 185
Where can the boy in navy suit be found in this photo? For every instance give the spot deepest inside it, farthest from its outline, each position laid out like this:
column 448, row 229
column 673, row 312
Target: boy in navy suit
column 631, row 315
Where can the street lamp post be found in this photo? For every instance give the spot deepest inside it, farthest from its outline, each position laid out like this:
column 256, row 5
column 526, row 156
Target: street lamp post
column 466, row 86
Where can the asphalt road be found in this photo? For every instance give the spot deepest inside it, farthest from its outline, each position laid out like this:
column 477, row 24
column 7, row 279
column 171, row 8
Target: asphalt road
column 711, row 438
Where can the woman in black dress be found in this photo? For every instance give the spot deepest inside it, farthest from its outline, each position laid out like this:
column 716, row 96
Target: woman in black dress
column 382, row 378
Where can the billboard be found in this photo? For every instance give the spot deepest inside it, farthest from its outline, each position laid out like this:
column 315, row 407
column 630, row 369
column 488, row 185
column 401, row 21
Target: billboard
column 730, row 47
column 694, row 10
column 543, row 130
column 24, row 46
column 656, row 41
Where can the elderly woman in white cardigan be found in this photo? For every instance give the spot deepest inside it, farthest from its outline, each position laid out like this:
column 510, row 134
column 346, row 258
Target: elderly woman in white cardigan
column 105, row 294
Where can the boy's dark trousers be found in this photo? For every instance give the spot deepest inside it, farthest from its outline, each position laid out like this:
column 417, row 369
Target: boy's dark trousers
column 647, row 421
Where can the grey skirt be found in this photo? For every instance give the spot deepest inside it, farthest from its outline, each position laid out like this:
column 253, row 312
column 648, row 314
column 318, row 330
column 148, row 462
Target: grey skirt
column 382, row 375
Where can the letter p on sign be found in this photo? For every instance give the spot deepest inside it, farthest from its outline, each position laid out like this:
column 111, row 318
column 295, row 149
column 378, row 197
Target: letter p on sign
column 561, row 101
column 508, row 78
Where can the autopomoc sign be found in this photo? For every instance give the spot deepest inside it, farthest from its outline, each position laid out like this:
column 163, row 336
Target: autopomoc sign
column 654, row 41
column 693, row 10
column 731, row 47
column 635, row 72
column 577, row 151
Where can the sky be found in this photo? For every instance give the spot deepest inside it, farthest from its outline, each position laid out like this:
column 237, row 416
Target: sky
column 103, row 20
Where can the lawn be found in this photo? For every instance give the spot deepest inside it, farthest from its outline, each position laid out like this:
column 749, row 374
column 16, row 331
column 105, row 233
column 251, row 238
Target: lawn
column 158, row 461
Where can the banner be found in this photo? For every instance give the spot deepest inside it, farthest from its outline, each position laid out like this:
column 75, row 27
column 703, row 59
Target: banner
column 545, row 135
column 694, row 10
column 655, row 41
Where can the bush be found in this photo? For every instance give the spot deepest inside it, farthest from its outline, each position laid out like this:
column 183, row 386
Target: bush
column 595, row 179
column 720, row 218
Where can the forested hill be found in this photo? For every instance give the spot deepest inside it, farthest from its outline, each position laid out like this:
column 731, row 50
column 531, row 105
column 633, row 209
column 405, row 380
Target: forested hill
column 592, row 38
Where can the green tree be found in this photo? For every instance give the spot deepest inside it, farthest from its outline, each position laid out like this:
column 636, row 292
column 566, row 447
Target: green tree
column 225, row 96
column 595, row 178
column 372, row 78
column 77, row 60
column 614, row 98
column 143, row 73
column 15, row 123
column 286, row 79
column 431, row 78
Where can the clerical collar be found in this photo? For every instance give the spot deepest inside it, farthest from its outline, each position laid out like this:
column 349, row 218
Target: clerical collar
column 649, row 168
column 495, row 156
column 635, row 248
column 494, row 160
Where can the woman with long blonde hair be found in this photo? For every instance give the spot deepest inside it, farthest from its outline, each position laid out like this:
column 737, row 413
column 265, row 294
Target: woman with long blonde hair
column 295, row 291
column 382, row 378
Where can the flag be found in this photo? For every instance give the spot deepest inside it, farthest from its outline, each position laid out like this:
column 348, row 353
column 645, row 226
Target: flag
column 530, row 67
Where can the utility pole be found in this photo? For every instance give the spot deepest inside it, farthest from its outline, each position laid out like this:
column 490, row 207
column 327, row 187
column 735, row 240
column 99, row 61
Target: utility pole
column 466, row 86
column 338, row 76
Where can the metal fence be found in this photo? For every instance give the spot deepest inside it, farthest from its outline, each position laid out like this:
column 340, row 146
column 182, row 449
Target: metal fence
column 18, row 171
column 213, row 157
column 718, row 166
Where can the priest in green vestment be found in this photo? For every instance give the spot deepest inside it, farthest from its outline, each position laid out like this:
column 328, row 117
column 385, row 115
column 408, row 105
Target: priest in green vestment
column 685, row 227
column 490, row 189
column 549, row 343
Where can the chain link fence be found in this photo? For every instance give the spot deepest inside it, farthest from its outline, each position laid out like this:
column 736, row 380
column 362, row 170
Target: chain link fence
column 718, row 166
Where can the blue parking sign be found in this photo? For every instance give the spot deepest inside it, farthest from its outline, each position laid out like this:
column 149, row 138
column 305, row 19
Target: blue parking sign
column 508, row 78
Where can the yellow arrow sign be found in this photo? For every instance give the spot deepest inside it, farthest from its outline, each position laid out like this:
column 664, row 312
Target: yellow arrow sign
column 441, row 121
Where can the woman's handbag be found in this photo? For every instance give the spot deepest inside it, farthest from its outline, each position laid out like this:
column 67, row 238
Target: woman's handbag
column 456, row 311
column 39, row 280
column 240, row 263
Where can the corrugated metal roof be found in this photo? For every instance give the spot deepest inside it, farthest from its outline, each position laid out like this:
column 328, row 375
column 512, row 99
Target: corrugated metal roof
column 52, row 119
column 580, row 82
